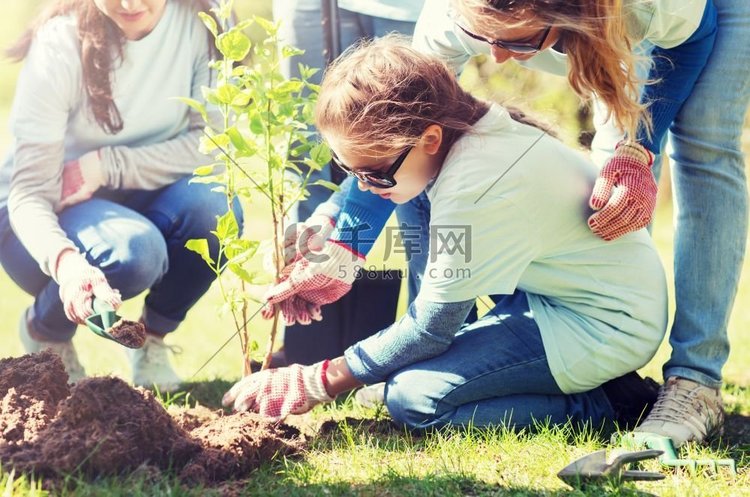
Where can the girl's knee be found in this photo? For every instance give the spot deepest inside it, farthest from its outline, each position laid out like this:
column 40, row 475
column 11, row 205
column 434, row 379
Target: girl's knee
column 408, row 403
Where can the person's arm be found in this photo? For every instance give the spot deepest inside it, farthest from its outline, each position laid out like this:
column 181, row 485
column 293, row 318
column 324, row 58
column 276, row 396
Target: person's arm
column 625, row 192
column 425, row 331
column 361, row 219
column 47, row 89
column 674, row 72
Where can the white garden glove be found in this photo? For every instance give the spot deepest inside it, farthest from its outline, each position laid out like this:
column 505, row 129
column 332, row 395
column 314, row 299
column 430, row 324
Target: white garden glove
column 276, row 393
column 79, row 283
column 81, row 179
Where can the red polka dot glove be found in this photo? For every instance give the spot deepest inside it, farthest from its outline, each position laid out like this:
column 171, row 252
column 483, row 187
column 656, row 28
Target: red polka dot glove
column 81, row 178
column 312, row 280
column 276, row 393
column 79, row 283
column 624, row 193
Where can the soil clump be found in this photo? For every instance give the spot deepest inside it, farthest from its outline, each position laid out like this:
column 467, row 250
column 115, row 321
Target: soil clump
column 103, row 426
column 129, row 333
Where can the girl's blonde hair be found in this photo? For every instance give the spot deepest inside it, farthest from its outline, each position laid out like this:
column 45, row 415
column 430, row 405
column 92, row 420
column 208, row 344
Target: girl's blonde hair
column 596, row 41
column 102, row 45
column 382, row 95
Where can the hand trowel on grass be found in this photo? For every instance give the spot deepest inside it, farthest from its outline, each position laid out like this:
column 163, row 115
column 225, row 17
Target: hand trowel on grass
column 107, row 324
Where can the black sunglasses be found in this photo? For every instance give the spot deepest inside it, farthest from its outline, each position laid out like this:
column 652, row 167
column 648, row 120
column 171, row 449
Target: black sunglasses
column 519, row 47
column 378, row 179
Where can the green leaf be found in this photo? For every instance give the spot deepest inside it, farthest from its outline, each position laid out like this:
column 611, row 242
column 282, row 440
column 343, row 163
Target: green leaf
column 227, row 93
column 234, row 44
column 204, row 170
column 267, row 25
column 226, row 226
column 331, row 186
column 290, row 51
column 242, row 273
column 256, row 123
column 244, row 148
column 200, row 247
column 321, row 154
column 195, row 105
column 210, row 95
column 210, row 23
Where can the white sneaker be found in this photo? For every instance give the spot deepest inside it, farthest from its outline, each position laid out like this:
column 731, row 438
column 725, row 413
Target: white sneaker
column 151, row 366
column 65, row 350
column 371, row 395
column 685, row 411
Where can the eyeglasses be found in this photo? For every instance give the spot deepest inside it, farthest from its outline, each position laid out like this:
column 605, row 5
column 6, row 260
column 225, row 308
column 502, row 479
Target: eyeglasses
column 378, row 179
column 519, row 47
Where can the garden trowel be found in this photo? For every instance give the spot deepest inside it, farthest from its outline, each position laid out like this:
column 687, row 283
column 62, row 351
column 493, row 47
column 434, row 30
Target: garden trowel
column 596, row 468
column 106, row 323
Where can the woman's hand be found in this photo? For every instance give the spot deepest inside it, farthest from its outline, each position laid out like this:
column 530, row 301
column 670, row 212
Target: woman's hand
column 625, row 192
column 312, row 280
column 317, row 271
column 81, row 179
column 79, row 283
column 276, row 393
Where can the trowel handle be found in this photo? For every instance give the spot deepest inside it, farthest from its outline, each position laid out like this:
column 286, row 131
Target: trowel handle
column 105, row 311
column 102, row 306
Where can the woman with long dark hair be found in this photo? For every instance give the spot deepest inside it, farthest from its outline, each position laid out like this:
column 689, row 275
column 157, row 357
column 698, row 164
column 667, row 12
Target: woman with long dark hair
column 94, row 194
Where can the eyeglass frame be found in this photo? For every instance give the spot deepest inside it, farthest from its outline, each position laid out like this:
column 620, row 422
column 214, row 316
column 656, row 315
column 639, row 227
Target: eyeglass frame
column 364, row 176
column 515, row 47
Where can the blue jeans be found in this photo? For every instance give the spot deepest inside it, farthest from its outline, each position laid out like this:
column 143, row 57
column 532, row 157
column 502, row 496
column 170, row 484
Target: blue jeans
column 137, row 238
column 711, row 203
column 302, row 28
column 710, row 191
column 495, row 371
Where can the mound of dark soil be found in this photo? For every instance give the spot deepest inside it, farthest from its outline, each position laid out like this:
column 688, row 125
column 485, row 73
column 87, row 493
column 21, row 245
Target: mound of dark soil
column 30, row 389
column 102, row 426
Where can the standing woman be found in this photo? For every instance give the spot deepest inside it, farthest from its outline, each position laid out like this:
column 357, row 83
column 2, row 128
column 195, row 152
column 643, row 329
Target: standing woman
column 95, row 192
column 697, row 88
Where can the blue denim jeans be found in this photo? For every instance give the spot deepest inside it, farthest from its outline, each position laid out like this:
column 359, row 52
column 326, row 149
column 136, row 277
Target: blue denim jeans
column 710, row 192
column 302, row 28
column 496, row 369
column 711, row 204
column 137, row 238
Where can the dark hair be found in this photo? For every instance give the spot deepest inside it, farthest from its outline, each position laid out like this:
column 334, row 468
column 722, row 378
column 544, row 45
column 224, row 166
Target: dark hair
column 100, row 38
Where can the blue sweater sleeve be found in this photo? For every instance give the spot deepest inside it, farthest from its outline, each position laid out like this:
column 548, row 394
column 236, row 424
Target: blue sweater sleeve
column 362, row 218
column 674, row 72
column 425, row 331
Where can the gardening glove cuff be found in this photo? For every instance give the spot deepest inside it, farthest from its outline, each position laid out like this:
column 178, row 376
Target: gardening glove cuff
column 624, row 193
column 81, row 179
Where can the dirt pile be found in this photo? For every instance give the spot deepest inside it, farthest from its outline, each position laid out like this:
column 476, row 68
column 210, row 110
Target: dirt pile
column 102, row 426
column 30, row 389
